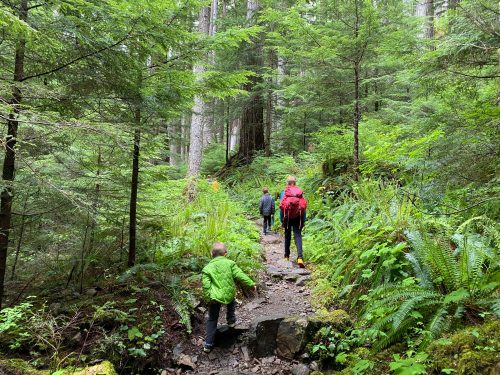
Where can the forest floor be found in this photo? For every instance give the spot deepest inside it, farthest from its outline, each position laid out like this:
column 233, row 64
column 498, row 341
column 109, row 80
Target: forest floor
column 282, row 292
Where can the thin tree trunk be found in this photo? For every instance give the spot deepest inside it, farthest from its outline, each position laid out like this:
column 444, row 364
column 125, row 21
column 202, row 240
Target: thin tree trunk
column 357, row 118
column 7, row 194
column 228, row 133
column 269, row 123
column 304, row 133
column 82, row 254
column 357, row 106
column 20, row 239
column 133, row 190
column 91, row 221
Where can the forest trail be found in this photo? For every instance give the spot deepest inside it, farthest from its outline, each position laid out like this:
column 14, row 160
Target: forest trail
column 282, row 293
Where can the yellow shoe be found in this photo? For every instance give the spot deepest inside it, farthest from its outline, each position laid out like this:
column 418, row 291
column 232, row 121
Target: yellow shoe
column 300, row 262
column 286, row 259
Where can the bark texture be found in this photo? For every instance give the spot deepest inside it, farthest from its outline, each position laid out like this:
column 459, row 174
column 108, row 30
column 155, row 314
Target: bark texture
column 10, row 141
column 198, row 117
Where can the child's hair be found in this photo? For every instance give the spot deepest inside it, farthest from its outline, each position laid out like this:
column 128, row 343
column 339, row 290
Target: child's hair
column 291, row 180
column 218, row 249
column 265, row 190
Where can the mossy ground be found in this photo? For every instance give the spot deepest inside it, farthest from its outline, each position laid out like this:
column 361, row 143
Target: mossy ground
column 16, row 366
column 471, row 351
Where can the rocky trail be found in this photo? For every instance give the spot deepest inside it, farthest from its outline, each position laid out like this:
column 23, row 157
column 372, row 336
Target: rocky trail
column 271, row 330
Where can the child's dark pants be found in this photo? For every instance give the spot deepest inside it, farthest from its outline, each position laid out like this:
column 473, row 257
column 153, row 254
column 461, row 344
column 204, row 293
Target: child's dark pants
column 267, row 223
column 213, row 317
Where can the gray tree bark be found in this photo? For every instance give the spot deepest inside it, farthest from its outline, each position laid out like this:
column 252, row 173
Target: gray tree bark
column 198, row 117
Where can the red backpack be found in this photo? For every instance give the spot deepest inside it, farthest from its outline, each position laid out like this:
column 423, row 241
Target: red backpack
column 293, row 204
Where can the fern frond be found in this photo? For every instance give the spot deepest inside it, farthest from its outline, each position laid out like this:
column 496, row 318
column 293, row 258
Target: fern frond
column 421, row 274
column 138, row 268
column 439, row 322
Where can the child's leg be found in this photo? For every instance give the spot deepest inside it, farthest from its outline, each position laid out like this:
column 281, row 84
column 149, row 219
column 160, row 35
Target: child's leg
column 213, row 317
column 231, row 314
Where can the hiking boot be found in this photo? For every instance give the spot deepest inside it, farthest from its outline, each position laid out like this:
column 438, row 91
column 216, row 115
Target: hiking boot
column 286, row 259
column 231, row 325
column 300, row 263
column 208, row 348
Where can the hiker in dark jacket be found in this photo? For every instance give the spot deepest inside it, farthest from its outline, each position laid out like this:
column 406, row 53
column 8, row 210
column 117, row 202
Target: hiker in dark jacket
column 219, row 279
column 266, row 209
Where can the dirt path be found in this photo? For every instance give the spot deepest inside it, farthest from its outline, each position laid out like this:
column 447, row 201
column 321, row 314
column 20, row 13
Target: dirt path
column 282, row 292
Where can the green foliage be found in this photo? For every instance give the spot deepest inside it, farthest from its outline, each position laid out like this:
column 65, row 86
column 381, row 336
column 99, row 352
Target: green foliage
column 12, row 330
column 413, row 364
column 214, row 158
column 357, row 243
column 450, row 287
column 472, row 350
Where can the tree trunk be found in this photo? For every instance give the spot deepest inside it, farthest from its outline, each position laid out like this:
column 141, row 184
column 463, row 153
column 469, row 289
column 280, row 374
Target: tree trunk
column 252, row 122
column 304, row 133
column 429, row 12
column 7, row 193
column 235, row 133
column 20, row 239
column 269, row 123
column 133, row 190
column 357, row 118
column 228, row 133
column 357, row 106
column 198, row 117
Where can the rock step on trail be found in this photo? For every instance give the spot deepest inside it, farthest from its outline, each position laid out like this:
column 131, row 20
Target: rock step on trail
column 272, row 327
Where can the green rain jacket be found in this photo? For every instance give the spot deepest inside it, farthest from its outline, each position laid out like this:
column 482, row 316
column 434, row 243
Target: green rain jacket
column 218, row 279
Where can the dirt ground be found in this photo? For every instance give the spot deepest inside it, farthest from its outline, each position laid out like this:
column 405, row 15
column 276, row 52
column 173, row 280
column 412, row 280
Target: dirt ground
column 282, row 291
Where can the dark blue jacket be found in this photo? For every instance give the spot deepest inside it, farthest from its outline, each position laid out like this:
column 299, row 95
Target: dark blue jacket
column 266, row 205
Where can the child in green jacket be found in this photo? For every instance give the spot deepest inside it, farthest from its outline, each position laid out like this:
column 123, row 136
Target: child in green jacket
column 219, row 288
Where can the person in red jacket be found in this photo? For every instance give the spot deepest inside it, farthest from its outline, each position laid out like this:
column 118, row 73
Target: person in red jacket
column 293, row 215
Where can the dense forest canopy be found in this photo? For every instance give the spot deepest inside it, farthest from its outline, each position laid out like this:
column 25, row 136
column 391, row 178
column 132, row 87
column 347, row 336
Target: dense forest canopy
column 136, row 133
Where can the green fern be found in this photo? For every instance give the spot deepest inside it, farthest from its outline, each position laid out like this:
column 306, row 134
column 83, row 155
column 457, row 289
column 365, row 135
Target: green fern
column 449, row 283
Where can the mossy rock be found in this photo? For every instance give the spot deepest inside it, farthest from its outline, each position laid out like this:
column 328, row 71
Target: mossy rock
column 19, row 367
column 471, row 351
column 103, row 368
column 338, row 319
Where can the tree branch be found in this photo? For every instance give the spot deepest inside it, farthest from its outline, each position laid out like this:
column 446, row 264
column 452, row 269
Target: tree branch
column 65, row 65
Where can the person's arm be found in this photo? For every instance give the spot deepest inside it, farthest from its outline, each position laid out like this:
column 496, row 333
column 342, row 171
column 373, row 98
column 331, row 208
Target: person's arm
column 206, row 283
column 241, row 277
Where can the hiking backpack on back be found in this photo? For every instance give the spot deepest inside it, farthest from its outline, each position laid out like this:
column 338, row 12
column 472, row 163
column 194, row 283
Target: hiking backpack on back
column 293, row 203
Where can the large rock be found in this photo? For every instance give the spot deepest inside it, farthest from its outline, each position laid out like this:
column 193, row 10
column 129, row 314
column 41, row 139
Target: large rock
column 263, row 335
column 300, row 369
column 18, row 366
column 338, row 319
column 103, row 368
column 291, row 336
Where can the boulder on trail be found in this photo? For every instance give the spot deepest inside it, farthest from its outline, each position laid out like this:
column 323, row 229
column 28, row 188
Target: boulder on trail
column 300, row 369
column 263, row 335
column 301, row 281
column 338, row 319
column 292, row 335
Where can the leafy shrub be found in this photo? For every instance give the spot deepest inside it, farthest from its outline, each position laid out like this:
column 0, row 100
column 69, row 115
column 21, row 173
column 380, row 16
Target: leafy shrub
column 358, row 244
column 214, row 158
column 449, row 286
